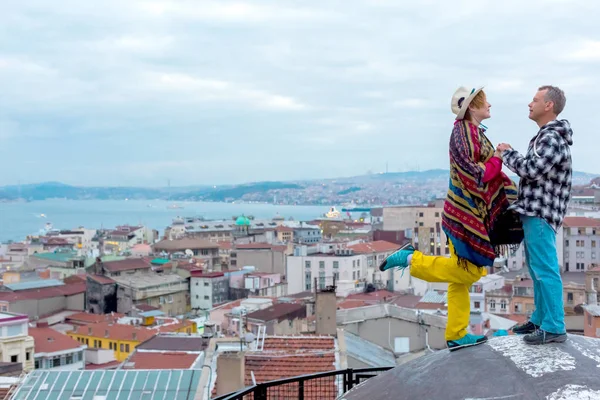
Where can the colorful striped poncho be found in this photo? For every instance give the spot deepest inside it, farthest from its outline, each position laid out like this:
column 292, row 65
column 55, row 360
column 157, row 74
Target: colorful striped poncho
column 472, row 206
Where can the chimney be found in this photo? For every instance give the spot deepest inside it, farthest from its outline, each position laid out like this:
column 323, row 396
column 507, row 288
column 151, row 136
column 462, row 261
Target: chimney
column 89, row 330
column 325, row 311
column 106, row 333
column 232, row 370
column 134, row 335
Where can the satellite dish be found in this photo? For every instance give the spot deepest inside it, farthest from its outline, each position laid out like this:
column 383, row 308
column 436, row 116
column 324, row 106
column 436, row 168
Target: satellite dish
column 188, row 252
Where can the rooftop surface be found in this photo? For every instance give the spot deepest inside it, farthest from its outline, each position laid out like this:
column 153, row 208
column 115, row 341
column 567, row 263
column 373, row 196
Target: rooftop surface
column 121, row 384
column 42, row 283
column 184, row 244
column 176, row 343
column 129, row 264
column 47, row 340
column 144, row 281
column 566, row 371
column 60, row 256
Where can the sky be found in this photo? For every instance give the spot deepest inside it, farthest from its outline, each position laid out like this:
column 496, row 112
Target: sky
column 140, row 92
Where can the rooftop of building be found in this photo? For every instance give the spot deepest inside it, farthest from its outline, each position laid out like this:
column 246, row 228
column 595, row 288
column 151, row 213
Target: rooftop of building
column 10, row 317
column 114, row 331
column 128, row 264
column 184, row 244
column 47, row 340
column 566, row 371
column 378, row 246
column 84, row 318
column 581, row 222
column 593, row 309
column 160, row 360
column 148, row 280
column 260, row 246
column 288, row 356
column 206, row 274
column 34, row 284
column 69, row 289
column 101, row 279
column 121, row 384
column 175, row 342
column 279, row 311
column 58, row 256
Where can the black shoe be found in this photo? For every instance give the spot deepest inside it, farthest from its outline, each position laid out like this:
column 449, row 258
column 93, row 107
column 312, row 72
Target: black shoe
column 543, row 337
column 527, row 327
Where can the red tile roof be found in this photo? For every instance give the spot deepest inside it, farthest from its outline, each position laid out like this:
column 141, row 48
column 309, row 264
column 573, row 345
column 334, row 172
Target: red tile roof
column 103, row 280
column 115, row 331
column 285, row 357
column 430, row 306
column 203, row 274
column 84, row 318
column 44, row 293
column 378, row 295
column 225, row 245
column 128, row 264
column 146, row 307
column 47, row 340
column 379, row 246
column 161, row 360
column 75, row 278
column 108, row 365
column 282, row 228
column 346, row 304
column 406, row 301
column 581, row 222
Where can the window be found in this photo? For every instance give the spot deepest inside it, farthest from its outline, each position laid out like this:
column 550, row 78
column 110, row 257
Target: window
column 56, row 362
column 420, row 224
column 99, row 344
column 14, row 330
column 69, row 359
column 14, row 358
column 420, row 215
column 322, row 280
column 492, row 304
column 336, row 264
column 122, row 347
column 307, row 264
column 321, row 264
column 437, row 214
column 353, row 275
column 206, row 284
column 353, row 263
column 593, row 243
column 503, row 305
column 127, row 348
column 570, row 298
column 476, row 304
column 27, row 356
column 37, row 364
column 206, row 298
column 358, row 263
column 567, row 243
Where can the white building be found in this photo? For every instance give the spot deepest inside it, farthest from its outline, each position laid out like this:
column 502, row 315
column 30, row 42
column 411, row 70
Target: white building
column 208, row 289
column 478, row 291
column 16, row 345
column 56, row 351
column 349, row 270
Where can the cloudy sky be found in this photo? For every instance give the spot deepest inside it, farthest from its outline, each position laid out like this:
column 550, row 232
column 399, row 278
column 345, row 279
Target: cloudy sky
column 137, row 92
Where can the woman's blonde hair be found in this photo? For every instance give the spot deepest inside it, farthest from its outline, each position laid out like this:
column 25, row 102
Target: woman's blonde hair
column 477, row 102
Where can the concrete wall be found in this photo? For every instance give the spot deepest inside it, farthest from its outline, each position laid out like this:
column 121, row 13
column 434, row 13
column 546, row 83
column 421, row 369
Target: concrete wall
column 264, row 260
column 76, row 302
column 37, row 308
column 381, row 324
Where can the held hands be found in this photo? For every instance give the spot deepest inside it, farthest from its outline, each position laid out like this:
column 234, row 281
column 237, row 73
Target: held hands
column 500, row 149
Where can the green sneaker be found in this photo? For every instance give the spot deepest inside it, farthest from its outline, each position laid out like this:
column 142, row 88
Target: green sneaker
column 399, row 259
column 466, row 341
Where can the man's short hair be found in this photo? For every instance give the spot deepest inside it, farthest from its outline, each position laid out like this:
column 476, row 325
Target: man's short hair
column 555, row 95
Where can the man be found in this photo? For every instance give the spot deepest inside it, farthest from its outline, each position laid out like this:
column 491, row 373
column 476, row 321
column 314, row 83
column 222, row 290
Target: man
column 544, row 193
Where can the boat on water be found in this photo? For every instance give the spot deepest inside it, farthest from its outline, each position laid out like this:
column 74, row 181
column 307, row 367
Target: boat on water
column 174, row 207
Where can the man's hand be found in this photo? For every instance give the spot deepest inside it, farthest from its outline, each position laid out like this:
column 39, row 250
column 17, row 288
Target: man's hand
column 503, row 147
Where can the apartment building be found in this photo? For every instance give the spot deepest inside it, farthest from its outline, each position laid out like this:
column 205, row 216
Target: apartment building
column 581, row 238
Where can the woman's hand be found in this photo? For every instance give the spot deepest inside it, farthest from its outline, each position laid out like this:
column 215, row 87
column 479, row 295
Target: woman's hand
column 498, row 154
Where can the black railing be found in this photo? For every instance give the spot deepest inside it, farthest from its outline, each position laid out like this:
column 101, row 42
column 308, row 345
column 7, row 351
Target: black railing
column 323, row 386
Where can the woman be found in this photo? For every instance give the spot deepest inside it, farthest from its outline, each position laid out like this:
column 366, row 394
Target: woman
column 478, row 195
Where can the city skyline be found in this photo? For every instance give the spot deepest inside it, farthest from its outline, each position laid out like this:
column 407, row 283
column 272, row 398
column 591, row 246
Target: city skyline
column 249, row 91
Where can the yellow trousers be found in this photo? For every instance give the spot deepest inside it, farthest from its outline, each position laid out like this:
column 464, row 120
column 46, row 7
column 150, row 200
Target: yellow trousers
column 447, row 269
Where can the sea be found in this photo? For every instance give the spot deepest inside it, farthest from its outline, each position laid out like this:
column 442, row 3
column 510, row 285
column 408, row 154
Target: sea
column 17, row 220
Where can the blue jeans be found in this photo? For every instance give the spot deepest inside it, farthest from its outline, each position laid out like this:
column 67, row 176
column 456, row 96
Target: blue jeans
column 540, row 253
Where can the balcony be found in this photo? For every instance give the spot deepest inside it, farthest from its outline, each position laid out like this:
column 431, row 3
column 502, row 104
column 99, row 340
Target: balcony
column 323, row 386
